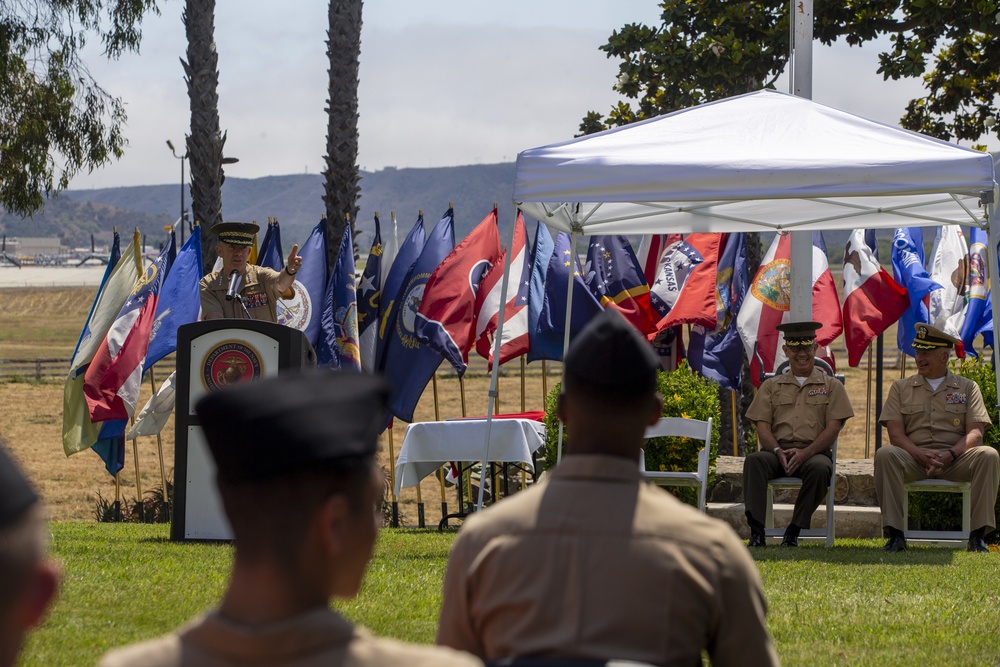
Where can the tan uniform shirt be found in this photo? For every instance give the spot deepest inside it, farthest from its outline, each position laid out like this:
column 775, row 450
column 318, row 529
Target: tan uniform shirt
column 593, row 563
column 259, row 291
column 797, row 414
column 934, row 418
column 314, row 639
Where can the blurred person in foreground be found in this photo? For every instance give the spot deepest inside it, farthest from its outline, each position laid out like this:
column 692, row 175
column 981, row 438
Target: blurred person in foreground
column 296, row 471
column 798, row 415
column 935, row 421
column 594, row 563
column 28, row 581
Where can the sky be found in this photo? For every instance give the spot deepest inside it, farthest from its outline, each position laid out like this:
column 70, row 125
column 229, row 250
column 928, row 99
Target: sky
column 442, row 83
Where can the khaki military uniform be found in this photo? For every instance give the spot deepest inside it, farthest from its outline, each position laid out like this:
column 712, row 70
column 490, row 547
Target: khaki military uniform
column 259, row 291
column 314, row 639
column 936, row 419
column 593, row 563
column 797, row 415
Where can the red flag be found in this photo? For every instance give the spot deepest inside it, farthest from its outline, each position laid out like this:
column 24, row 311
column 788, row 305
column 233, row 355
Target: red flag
column 696, row 302
column 873, row 301
column 446, row 318
column 515, row 325
column 112, row 382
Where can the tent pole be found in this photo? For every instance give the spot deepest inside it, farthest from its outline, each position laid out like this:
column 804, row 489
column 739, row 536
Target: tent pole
column 994, row 232
column 497, row 342
column 569, row 312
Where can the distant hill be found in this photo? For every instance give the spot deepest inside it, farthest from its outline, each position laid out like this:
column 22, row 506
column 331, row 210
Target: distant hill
column 296, row 200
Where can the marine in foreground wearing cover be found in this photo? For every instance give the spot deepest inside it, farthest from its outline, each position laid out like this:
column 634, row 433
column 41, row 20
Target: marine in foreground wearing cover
column 594, row 563
column 935, row 421
column 300, row 487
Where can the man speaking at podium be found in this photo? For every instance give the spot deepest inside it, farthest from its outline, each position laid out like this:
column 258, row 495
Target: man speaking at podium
column 241, row 290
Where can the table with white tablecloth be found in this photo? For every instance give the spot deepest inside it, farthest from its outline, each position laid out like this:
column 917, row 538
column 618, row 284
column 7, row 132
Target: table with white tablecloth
column 429, row 445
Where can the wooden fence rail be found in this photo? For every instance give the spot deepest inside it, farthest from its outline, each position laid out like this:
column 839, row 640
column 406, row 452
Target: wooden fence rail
column 50, row 368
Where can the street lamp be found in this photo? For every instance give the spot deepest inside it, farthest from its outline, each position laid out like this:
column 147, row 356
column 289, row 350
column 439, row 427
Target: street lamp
column 183, row 212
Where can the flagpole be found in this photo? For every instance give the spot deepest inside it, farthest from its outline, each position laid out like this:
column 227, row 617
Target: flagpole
column 989, row 199
column 569, row 310
column 159, row 449
column 545, row 383
column 732, row 406
column 138, row 484
column 464, row 482
column 868, row 404
column 118, row 497
column 440, row 471
column 524, row 408
column 497, row 342
column 394, row 521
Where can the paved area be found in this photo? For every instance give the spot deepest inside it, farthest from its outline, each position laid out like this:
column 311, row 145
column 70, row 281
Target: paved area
column 51, row 276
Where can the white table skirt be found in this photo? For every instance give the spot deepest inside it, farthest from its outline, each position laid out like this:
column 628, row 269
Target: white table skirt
column 429, row 445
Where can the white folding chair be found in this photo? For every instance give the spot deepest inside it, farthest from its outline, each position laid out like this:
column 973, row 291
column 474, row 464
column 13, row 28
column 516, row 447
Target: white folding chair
column 939, row 486
column 683, row 428
column 830, row 530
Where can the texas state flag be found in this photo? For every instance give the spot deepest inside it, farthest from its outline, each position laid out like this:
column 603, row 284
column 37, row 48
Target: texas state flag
column 446, row 319
column 112, row 382
column 873, row 301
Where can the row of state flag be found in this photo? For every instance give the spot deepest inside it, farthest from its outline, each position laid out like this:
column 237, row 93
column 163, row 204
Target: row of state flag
column 424, row 300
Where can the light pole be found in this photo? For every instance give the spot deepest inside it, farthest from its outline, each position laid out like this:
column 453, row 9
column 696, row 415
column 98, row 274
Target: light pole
column 183, row 211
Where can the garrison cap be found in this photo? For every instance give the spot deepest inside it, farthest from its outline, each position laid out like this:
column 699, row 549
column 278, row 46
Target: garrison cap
column 292, row 422
column 609, row 356
column 930, row 338
column 236, row 233
column 799, row 334
column 16, row 494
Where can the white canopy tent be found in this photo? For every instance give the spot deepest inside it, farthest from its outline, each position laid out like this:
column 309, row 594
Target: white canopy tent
column 764, row 161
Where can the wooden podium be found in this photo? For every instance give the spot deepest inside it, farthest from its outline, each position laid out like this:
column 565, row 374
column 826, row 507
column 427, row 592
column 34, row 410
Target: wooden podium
column 210, row 355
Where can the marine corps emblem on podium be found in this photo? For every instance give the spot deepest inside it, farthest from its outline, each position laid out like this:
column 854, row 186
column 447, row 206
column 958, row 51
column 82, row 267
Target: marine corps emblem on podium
column 230, row 362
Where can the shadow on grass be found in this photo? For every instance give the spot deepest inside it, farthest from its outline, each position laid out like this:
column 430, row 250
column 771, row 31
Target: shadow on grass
column 858, row 552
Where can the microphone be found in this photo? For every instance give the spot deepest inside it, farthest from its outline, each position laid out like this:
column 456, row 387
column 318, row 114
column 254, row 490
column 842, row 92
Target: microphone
column 234, row 285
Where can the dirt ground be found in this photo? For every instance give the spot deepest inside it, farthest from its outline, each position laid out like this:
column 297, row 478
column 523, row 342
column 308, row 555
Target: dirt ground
column 45, row 322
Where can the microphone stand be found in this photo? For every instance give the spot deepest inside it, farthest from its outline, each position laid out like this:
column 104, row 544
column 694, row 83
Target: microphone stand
column 243, row 303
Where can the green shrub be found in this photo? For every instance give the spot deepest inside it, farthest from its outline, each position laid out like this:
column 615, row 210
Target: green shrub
column 943, row 511
column 685, row 394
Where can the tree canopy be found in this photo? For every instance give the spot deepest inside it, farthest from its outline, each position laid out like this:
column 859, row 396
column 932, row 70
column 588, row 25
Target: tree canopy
column 709, row 49
column 56, row 119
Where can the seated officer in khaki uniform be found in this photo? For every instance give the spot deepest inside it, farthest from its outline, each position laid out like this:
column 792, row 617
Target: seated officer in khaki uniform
column 593, row 563
column 260, row 287
column 301, row 489
column 935, row 421
column 28, row 581
column 798, row 416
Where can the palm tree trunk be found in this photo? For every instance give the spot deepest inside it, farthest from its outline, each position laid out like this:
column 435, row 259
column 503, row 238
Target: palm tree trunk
column 341, row 175
column 205, row 143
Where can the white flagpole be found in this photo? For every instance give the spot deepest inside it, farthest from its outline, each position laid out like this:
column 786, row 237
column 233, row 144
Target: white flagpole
column 569, row 310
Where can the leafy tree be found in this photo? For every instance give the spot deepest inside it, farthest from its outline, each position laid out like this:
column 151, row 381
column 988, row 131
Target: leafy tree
column 709, row 49
column 56, row 119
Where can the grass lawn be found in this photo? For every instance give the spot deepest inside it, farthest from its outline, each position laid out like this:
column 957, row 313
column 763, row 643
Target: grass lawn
column 852, row 605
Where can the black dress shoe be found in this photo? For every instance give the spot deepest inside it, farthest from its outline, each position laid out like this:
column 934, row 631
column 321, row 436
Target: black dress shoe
column 977, row 544
column 895, row 543
column 756, row 540
column 789, row 541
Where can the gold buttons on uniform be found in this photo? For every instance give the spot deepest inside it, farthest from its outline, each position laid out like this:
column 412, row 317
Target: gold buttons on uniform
column 958, row 422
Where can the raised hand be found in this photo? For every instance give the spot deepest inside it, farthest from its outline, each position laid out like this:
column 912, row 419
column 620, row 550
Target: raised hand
column 294, row 262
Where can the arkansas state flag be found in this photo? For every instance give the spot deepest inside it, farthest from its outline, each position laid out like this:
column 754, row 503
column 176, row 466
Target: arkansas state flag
column 514, row 341
column 615, row 277
column 696, row 301
column 112, row 382
column 651, row 249
column 767, row 304
column 446, row 320
column 873, row 301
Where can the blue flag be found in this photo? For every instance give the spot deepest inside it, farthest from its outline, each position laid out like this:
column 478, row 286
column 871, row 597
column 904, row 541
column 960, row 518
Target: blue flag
column 113, row 258
column 270, row 254
column 408, row 253
column 718, row 355
column 540, row 255
column 979, row 315
column 338, row 339
column 552, row 318
column 179, row 301
column 305, row 309
column 369, row 296
column 410, row 364
column 908, row 270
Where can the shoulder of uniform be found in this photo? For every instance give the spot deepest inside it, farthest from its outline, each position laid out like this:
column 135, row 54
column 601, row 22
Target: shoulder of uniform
column 160, row 652
column 378, row 650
